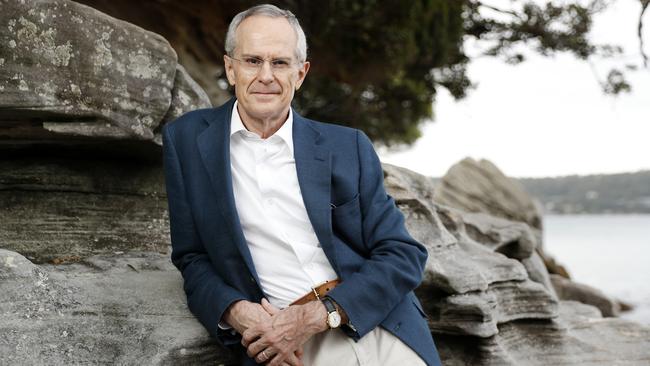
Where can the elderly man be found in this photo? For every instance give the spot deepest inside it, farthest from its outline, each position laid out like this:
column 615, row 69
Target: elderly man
column 290, row 248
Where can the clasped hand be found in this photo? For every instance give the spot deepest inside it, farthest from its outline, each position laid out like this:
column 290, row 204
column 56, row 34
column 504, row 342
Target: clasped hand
column 273, row 336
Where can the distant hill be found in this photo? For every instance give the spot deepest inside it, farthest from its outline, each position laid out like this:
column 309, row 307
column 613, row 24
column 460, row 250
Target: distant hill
column 602, row 193
column 598, row 193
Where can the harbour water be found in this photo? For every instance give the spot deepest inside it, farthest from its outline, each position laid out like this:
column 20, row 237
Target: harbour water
column 609, row 252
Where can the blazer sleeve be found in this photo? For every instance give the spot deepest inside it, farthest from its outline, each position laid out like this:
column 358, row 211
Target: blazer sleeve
column 208, row 296
column 396, row 261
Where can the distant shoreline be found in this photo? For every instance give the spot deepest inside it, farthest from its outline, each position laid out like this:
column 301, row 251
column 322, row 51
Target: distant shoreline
column 623, row 193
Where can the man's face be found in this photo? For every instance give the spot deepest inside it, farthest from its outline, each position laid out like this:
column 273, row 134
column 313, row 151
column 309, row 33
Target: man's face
column 264, row 94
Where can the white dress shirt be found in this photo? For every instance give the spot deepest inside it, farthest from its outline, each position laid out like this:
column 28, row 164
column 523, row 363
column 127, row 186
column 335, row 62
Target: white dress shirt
column 287, row 255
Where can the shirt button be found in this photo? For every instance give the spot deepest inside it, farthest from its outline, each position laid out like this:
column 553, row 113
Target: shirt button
column 269, row 202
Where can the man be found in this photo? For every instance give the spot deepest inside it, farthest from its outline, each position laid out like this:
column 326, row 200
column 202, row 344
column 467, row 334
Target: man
column 266, row 205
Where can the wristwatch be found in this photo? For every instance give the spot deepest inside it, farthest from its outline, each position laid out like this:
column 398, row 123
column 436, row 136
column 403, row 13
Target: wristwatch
column 333, row 316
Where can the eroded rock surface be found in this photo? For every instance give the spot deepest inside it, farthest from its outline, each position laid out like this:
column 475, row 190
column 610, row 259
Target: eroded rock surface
column 570, row 290
column 67, row 208
column 474, row 278
column 479, row 186
column 120, row 309
column 68, row 71
column 490, row 299
column 579, row 336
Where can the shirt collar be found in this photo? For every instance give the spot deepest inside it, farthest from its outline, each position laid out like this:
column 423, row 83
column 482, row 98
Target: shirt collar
column 285, row 132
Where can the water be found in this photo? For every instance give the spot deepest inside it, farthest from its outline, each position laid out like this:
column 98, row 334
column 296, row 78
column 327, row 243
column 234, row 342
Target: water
column 609, row 252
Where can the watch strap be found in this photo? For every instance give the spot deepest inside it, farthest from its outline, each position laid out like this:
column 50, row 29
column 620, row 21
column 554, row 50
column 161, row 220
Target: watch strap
column 329, row 304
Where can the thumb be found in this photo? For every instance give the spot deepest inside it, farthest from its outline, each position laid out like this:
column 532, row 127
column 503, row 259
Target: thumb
column 269, row 307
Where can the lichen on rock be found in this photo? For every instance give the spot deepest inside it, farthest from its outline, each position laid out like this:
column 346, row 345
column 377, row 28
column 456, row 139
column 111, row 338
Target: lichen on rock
column 68, row 63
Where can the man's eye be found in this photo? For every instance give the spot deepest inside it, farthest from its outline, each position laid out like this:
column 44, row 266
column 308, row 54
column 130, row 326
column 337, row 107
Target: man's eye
column 253, row 61
column 280, row 63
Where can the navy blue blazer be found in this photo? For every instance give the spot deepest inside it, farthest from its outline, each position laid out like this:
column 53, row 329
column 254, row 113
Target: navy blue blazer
column 358, row 225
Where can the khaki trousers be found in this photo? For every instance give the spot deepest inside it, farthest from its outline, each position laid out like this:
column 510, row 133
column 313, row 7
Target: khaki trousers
column 377, row 348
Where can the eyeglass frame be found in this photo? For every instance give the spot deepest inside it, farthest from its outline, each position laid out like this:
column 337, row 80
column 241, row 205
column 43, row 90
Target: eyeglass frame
column 256, row 68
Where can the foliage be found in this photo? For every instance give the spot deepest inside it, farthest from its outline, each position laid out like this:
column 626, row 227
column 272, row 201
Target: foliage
column 372, row 62
column 376, row 65
column 546, row 29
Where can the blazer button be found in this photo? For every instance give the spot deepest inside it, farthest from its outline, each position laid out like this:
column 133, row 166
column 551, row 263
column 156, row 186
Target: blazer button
column 252, row 279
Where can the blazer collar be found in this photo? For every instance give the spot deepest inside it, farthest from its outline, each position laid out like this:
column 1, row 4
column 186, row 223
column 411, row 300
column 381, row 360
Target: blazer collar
column 214, row 148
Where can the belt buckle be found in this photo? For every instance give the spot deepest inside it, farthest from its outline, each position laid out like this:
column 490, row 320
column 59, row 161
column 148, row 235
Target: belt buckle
column 313, row 289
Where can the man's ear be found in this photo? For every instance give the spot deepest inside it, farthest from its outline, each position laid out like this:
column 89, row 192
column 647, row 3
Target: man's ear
column 230, row 71
column 302, row 73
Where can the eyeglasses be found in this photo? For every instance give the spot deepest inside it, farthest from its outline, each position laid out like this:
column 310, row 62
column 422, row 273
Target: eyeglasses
column 254, row 64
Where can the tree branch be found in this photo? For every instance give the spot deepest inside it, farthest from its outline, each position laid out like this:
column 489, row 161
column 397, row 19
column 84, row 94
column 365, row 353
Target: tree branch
column 503, row 11
column 644, row 6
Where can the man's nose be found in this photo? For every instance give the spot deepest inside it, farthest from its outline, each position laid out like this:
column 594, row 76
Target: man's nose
column 266, row 73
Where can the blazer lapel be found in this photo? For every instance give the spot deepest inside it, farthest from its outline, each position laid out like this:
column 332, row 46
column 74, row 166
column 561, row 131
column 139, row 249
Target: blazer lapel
column 214, row 147
column 313, row 165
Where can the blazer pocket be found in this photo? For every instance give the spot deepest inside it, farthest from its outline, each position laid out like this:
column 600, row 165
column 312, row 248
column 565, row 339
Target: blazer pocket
column 347, row 207
column 347, row 225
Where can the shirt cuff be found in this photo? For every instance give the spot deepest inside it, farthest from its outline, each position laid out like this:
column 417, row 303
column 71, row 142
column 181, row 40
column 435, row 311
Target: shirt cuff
column 224, row 326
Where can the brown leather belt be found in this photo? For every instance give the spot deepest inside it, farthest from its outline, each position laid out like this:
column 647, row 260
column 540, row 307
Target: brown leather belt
column 317, row 292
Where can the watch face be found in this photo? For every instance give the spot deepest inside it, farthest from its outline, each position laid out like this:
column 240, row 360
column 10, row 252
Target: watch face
column 334, row 319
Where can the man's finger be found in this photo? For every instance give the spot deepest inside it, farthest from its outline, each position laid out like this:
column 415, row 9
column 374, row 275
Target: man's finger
column 290, row 360
column 294, row 360
column 269, row 307
column 249, row 336
column 264, row 356
column 277, row 360
column 255, row 348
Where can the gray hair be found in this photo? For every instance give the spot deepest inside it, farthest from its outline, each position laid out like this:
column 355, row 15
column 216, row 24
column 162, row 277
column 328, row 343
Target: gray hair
column 271, row 11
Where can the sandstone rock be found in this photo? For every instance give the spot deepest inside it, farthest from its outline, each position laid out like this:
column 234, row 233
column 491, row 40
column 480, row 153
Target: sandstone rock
column 479, row 313
column 577, row 337
column 128, row 310
column 187, row 95
column 570, row 290
column 479, row 186
column 474, row 278
column 514, row 239
column 484, row 309
column 67, row 207
column 68, row 71
column 538, row 273
column 401, row 178
column 194, row 28
column 554, row 267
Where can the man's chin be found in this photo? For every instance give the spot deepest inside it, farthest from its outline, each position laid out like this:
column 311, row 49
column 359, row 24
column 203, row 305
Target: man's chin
column 266, row 98
column 265, row 113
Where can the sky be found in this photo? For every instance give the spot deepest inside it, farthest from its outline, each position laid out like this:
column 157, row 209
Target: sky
column 546, row 116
